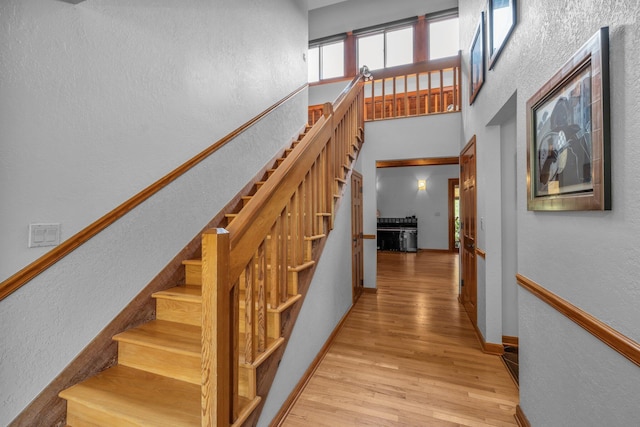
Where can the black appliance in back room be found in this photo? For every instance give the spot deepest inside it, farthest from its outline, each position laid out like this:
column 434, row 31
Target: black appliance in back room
column 398, row 234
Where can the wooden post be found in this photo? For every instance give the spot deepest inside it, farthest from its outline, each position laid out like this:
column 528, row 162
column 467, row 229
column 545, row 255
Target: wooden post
column 327, row 109
column 217, row 337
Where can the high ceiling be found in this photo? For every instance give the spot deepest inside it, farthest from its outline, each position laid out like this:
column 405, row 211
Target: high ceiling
column 316, row 4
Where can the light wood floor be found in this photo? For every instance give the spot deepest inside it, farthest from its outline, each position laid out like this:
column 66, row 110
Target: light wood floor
column 408, row 356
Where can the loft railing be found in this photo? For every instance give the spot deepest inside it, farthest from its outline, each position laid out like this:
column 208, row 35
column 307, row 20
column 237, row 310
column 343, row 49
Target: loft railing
column 413, row 90
column 252, row 262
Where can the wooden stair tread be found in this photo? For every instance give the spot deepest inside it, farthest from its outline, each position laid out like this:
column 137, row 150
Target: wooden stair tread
column 291, row 299
column 139, row 397
column 288, row 303
column 192, row 262
column 316, row 237
column 178, row 338
column 301, row 267
column 245, row 408
column 272, row 345
column 189, row 293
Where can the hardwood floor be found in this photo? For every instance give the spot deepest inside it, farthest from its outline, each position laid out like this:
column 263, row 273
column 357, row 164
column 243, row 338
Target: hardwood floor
column 408, row 356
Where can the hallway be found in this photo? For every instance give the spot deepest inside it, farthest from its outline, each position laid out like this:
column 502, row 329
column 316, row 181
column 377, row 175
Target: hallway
column 408, row 356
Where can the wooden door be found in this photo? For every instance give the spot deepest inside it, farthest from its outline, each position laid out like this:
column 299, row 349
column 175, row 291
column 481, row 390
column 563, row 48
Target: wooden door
column 454, row 217
column 469, row 295
column 357, row 264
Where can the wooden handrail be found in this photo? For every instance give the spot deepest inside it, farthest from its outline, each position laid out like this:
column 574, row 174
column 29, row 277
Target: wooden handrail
column 418, row 67
column 35, row 268
column 256, row 218
column 269, row 240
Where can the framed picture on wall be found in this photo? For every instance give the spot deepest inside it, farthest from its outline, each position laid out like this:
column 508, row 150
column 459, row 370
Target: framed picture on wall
column 568, row 134
column 501, row 18
column 476, row 61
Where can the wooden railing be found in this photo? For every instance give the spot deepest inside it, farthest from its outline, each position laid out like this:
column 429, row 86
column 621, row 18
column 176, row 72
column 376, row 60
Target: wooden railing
column 412, row 90
column 250, row 264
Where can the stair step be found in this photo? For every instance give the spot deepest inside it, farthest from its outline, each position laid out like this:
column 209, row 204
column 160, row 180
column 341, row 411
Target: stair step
column 272, row 345
column 245, row 200
column 193, row 272
column 230, row 217
column 125, row 396
column 164, row 348
column 314, row 238
column 181, row 304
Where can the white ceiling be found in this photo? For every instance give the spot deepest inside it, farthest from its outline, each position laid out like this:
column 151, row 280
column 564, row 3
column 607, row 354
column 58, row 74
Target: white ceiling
column 316, row 4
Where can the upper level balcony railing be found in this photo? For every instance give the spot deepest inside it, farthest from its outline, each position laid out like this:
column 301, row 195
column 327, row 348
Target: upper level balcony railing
column 420, row 89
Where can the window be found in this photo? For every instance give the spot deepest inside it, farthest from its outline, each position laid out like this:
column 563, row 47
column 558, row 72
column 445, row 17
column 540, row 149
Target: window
column 326, row 61
column 387, row 48
column 443, row 38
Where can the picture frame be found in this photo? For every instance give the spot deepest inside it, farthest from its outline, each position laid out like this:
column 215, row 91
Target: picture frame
column 568, row 134
column 501, row 20
column 476, row 61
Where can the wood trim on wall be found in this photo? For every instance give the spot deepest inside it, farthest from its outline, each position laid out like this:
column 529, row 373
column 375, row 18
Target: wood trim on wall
column 508, row 340
column 299, row 388
column 369, row 236
column 488, row 347
column 482, row 254
column 605, row 333
column 32, row 270
column 370, row 290
column 521, row 418
column 432, row 161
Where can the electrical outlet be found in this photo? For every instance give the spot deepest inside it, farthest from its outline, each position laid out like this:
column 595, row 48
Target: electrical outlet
column 41, row 235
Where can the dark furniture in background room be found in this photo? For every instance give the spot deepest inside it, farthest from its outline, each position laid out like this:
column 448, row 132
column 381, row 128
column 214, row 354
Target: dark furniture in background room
column 398, row 234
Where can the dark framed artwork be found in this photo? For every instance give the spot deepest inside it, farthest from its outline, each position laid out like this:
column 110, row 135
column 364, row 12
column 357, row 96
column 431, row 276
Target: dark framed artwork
column 501, row 18
column 476, row 61
column 568, row 134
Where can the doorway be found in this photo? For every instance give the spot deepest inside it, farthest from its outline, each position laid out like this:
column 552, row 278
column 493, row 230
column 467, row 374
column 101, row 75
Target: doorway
column 468, row 292
column 357, row 253
column 454, row 214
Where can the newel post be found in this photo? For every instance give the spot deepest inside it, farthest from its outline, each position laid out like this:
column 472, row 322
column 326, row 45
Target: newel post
column 216, row 330
column 327, row 109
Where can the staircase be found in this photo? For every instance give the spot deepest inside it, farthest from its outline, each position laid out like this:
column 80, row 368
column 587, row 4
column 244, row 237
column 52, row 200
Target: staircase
column 197, row 362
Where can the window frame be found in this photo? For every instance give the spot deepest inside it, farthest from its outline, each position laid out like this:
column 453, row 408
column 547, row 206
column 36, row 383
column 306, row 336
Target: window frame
column 384, row 29
column 421, row 40
column 434, row 18
column 326, row 41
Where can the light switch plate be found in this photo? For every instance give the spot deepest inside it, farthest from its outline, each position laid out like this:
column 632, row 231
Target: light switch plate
column 41, row 235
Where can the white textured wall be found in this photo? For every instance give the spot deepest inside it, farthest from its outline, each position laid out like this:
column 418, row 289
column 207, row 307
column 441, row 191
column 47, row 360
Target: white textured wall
column 508, row 146
column 568, row 377
column 409, row 138
column 329, row 92
column 100, row 100
column 398, row 196
column 328, row 299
